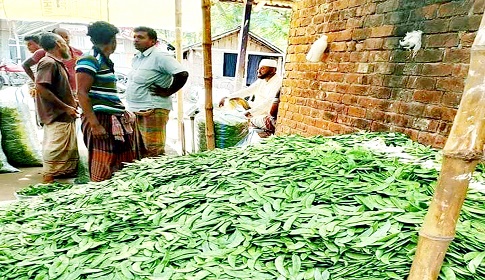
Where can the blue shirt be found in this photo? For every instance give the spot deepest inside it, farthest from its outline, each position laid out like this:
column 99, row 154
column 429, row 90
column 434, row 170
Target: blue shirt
column 151, row 67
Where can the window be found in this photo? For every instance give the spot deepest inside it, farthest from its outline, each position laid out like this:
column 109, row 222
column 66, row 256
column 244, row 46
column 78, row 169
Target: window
column 230, row 61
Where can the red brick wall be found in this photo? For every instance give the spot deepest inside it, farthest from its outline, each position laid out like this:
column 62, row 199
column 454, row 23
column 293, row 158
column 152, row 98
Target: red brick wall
column 365, row 80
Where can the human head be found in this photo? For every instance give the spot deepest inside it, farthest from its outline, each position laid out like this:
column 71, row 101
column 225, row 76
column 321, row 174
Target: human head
column 32, row 43
column 144, row 38
column 64, row 33
column 267, row 68
column 54, row 44
column 103, row 36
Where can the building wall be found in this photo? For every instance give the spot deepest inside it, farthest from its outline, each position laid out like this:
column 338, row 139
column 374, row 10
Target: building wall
column 365, row 80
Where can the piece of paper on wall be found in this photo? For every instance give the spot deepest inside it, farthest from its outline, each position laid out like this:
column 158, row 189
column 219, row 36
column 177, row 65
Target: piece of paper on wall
column 317, row 49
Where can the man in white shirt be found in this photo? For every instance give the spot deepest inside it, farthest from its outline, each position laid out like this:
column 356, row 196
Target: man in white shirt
column 155, row 76
column 262, row 95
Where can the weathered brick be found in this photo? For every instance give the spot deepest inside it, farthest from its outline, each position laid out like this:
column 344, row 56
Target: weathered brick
column 395, row 81
column 396, row 17
column 454, row 8
column 354, row 23
column 439, row 141
column 400, row 56
column 467, row 39
column 342, row 88
column 387, row 6
column 333, row 97
column 385, row 68
column 360, row 33
column 391, row 43
column 444, row 128
column 427, row 96
column 436, row 69
column 457, row 56
column 379, row 56
column 478, row 6
column 362, row 56
column 338, row 47
column 349, row 99
column 466, row 23
column 436, row 26
column 421, row 83
column 411, row 108
column 374, row 20
column 380, row 92
column 425, row 138
column 459, row 70
column 356, row 111
column 451, row 99
column 377, row 126
column 450, row 84
column 401, row 120
column 373, row 43
column 361, row 123
column 440, row 40
column 358, row 89
column 426, row 12
column 429, row 56
column 382, row 31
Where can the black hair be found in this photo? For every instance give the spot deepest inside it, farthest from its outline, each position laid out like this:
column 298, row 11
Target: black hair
column 152, row 34
column 34, row 38
column 48, row 41
column 102, row 32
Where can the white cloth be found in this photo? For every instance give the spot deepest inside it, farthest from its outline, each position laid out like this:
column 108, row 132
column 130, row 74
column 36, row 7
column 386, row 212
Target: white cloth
column 264, row 93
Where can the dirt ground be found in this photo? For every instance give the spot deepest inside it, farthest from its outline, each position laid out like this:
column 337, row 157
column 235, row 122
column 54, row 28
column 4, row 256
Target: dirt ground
column 11, row 182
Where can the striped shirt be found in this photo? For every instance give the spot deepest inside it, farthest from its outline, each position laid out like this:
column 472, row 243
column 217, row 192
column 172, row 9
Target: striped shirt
column 103, row 94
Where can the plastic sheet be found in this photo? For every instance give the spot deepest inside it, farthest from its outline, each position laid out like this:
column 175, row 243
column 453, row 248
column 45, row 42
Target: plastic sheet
column 5, row 167
column 20, row 143
column 229, row 129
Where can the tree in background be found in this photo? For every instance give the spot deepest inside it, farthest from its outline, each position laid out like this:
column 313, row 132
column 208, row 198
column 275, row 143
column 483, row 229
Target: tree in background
column 271, row 24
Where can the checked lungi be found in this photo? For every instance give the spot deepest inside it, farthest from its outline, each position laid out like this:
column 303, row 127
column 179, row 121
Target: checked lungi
column 59, row 149
column 107, row 155
column 150, row 132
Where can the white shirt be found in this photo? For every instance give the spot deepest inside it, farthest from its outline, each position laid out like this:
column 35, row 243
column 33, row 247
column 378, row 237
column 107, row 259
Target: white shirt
column 264, row 93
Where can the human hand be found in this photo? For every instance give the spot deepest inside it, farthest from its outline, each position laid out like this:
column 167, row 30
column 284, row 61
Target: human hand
column 221, row 102
column 99, row 132
column 72, row 112
column 159, row 91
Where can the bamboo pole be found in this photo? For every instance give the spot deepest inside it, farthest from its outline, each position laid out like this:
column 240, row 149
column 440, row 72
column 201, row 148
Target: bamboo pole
column 207, row 49
column 462, row 152
column 180, row 94
column 243, row 45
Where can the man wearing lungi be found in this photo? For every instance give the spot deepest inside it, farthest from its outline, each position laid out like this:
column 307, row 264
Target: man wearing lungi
column 155, row 76
column 56, row 108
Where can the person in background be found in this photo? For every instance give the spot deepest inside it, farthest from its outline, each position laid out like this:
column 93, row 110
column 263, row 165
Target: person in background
column 70, row 63
column 106, row 126
column 32, row 43
column 56, row 108
column 262, row 95
column 155, row 76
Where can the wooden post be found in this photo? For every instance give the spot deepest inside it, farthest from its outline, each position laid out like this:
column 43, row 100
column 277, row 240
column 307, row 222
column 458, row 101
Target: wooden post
column 243, row 44
column 180, row 94
column 207, row 50
column 462, row 152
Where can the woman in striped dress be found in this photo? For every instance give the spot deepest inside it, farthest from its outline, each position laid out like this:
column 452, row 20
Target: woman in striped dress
column 107, row 128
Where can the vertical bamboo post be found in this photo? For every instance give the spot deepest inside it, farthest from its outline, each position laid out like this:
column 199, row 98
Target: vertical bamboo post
column 180, row 94
column 462, row 152
column 207, row 50
column 243, row 45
